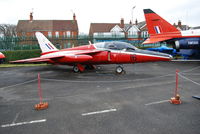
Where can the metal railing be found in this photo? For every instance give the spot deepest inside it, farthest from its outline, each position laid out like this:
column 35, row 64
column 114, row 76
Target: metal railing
column 29, row 43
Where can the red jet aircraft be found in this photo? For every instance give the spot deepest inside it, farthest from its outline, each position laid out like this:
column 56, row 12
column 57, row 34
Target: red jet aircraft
column 162, row 31
column 2, row 57
column 93, row 54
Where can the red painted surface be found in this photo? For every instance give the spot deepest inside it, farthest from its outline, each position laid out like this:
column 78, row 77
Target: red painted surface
column 166, row 30
column 161, row 30
column 102, row 53
column 90, row 55
column 143, row 58
column 39, row 88
column 105, row 57
column 176, row 90
column 81, row 68
column 152, row 20
column 75, row 59
column 85, row 47
column 2, row 56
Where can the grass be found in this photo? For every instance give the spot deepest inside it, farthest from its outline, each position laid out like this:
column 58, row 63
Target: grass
column 22, row 65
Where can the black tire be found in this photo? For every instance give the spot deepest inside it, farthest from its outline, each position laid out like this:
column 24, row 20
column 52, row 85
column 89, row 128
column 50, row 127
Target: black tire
column 76, row 69
column 119, row 70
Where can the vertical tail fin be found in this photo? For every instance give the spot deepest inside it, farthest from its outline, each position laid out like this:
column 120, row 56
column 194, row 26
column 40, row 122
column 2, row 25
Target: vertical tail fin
column 156, row 24
column 45, row 44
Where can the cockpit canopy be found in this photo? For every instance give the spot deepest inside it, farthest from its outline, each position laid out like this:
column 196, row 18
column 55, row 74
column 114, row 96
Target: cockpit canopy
column 115, row 45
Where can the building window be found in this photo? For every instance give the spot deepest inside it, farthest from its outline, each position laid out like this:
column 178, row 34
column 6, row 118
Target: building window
column 145, row 34
column 72, row 34
column 68, row 45
column 114, row 34
column 50, row 34
column 100, row 35
column 57, row 34
column 64, row 35
column 68, row 33
column 65, row 45
column 23, row 34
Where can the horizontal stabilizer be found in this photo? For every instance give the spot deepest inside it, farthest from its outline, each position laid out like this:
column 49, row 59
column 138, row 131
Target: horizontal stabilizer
column 155, row 40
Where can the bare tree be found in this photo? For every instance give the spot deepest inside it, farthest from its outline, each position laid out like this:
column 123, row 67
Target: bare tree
column 8, row 30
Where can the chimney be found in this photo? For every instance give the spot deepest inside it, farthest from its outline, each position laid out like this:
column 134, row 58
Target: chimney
column 122, row 23
column 31, row 16
column 136, row 22
column 179, row 24
column 74, row 16
column 130, row 22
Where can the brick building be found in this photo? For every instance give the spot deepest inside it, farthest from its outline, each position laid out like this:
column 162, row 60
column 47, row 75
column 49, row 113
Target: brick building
column 181, row 27
column 59, row 29
column 124, row 30
column 128, row 31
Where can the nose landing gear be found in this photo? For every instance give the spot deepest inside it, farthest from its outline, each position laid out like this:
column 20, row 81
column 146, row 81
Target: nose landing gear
column 119, row 70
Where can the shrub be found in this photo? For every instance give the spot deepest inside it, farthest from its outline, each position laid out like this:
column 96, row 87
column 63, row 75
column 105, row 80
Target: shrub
column 20, row 54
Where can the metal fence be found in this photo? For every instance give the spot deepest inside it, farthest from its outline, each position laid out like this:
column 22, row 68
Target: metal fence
column 29, row 43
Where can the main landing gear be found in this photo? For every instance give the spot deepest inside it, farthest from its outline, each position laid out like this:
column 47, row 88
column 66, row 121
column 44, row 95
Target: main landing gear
column 76, row 69
column 80, row 68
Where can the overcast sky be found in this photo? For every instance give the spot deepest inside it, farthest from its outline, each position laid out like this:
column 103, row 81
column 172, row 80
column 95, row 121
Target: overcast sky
column 99, row 11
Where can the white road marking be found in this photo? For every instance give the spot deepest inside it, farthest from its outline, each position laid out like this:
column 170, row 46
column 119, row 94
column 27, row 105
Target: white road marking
column 19, row 84
column 99, row 112
column 17, row 115
column 157, row 102
column 23, row 123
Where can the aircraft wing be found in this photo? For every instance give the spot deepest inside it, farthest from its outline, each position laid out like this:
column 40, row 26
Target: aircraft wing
column 50, row 58
column 88, row 52
column 37, row 59
column 155, row 40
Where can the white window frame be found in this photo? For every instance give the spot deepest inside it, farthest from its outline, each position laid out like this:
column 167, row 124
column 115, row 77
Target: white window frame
column 57, row 34
column 68, row 33
column 50, row 34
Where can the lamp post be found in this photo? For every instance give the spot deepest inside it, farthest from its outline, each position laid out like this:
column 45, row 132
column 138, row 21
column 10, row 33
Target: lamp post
column 132, row 12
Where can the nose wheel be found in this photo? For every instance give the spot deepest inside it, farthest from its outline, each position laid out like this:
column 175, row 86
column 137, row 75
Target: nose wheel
column 119, row 70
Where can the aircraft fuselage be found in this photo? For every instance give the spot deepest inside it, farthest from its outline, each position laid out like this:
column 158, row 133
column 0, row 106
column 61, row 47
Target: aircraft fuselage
column 106, row 55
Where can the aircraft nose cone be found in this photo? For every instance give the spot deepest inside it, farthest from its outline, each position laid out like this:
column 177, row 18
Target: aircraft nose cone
column 156, row 56
column 164, row 55
column 171, row 57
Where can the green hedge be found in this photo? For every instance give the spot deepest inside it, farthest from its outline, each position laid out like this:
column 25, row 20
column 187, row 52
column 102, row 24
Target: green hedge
column 20, row 54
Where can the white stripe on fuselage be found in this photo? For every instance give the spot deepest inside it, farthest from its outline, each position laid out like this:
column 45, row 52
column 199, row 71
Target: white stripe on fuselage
column 195, row 32
column 74, row 52
column 137, row 53
column 124, row 52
